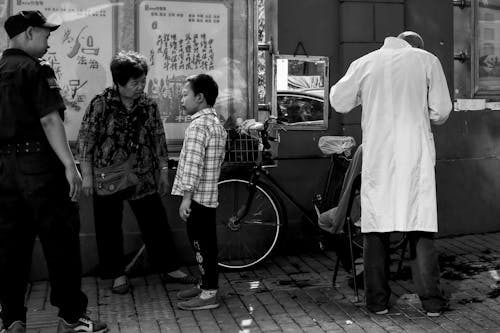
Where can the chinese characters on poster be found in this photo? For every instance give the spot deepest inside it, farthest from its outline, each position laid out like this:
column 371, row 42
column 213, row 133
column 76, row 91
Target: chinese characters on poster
column 181, row 39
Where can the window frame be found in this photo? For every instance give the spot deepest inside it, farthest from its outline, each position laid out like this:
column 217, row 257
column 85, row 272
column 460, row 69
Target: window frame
column 476, row 90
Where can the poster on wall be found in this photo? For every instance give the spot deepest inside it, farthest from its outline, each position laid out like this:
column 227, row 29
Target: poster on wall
column 80, row 51
column 181, row 38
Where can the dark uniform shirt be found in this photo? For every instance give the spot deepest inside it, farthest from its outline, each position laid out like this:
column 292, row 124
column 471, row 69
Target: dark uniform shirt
column 28, row 92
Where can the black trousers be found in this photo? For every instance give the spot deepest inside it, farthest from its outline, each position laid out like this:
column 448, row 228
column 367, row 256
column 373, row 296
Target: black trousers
column 153, row 224
column 424, row 269
column 203, row 237
column 34, row 202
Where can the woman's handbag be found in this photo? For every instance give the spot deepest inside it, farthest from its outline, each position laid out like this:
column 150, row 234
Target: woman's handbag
column 115, row 178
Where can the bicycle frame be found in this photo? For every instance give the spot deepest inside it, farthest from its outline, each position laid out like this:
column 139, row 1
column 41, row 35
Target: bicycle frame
column 259, row 170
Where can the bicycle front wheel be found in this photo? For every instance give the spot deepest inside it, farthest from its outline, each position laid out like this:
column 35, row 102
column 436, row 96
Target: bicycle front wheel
column 246, row 243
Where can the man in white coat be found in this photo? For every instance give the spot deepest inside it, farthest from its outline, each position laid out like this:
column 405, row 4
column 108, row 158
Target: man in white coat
column 402, row 90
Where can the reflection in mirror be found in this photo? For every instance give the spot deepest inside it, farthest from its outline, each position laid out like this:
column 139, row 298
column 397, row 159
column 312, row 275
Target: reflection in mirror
column 300, row 89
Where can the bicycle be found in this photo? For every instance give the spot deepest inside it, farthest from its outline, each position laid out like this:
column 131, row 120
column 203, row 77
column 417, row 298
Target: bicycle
column 251, row 216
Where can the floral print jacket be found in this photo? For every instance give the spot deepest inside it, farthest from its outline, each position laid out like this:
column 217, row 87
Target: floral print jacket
column 110, row 133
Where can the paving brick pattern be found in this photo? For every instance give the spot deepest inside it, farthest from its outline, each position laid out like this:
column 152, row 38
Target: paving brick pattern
column 294, row 294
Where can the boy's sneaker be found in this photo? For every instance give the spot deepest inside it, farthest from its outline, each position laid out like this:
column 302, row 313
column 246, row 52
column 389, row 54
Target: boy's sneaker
column 16, row 327
column 187, row 294
column 382, row 312
column 197, row 303
column 434, row 314
column 84, row 325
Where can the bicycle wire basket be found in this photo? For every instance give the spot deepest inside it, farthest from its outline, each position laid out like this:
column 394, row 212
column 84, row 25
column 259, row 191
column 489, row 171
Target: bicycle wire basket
column 247, row 149
column 241, row 148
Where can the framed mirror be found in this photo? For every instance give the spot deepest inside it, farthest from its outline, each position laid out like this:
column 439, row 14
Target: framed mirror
column 300, row 91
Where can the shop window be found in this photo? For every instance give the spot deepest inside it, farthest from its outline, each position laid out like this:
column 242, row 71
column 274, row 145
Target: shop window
column 186, row 37
column 477, row 49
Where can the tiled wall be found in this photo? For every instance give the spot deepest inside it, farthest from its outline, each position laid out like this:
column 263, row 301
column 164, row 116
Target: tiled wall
column 363, row 26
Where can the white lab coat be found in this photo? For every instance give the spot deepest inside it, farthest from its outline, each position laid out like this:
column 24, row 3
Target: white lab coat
column 402, row 90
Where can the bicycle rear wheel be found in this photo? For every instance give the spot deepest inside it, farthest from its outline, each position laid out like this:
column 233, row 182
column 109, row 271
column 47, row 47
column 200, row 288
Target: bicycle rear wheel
column 245, row 244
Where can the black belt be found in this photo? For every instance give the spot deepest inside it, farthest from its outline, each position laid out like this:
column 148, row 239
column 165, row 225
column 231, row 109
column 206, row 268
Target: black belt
column 23, row 147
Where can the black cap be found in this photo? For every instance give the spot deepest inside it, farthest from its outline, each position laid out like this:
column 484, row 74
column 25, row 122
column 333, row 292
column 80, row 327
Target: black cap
column 18, row 23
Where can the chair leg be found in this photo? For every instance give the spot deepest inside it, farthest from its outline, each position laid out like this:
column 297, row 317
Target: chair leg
column 336, row 271
column 351, row 253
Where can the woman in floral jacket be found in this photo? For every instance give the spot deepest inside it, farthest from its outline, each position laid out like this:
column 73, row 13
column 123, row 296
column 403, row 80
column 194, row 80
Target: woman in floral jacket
column 119, row 122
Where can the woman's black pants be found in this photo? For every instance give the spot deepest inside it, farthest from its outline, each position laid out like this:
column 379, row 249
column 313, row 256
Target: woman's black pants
column 153, row 224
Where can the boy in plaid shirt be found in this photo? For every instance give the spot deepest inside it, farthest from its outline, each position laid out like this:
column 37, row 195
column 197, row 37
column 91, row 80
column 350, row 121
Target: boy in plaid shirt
column 196, row 181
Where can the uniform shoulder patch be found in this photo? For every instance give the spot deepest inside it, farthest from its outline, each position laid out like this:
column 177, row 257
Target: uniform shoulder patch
column 49, row 75
column 53, row 83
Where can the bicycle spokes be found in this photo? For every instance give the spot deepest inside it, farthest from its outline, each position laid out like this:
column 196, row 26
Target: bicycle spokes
column 248, row 223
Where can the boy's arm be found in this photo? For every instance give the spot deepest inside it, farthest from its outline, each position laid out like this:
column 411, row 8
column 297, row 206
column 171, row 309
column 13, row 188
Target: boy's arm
column 185, row 207
column 195, row 142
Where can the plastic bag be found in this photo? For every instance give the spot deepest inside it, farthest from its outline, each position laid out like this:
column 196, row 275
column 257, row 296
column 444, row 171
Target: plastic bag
column 336, row 144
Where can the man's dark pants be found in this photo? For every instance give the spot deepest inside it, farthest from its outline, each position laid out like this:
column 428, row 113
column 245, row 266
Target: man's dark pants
column 202, row 234
column 424, row 267
column 34, row 202
column 155, row 231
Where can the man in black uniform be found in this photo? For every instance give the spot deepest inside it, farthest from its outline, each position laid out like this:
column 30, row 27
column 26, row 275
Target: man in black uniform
column 39, row 181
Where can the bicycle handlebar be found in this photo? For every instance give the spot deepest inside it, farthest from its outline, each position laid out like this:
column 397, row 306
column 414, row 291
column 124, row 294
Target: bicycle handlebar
column 265, row 139
column 264, row 133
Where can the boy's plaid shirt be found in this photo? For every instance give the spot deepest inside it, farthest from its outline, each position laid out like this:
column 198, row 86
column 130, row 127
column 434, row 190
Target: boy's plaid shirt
column 201, row 158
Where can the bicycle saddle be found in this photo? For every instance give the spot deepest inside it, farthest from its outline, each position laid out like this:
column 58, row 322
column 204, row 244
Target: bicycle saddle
column 251, row 124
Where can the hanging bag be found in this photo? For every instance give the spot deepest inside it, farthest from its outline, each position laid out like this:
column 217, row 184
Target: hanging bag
column 115, row 178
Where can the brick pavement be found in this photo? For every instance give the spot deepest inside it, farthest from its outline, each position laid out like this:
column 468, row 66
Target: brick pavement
column 294, row 294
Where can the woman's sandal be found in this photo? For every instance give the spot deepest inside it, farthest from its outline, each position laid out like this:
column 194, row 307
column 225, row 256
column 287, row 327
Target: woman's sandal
column 121, row 289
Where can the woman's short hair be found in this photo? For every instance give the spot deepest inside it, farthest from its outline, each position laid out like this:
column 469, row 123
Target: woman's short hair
column 206, row 85
column 126, row 65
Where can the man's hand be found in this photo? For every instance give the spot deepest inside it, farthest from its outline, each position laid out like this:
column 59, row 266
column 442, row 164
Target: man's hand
column 185, row 208
column 88, row 185
column 74, row 180
column 163, row 182
column 53, row 128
